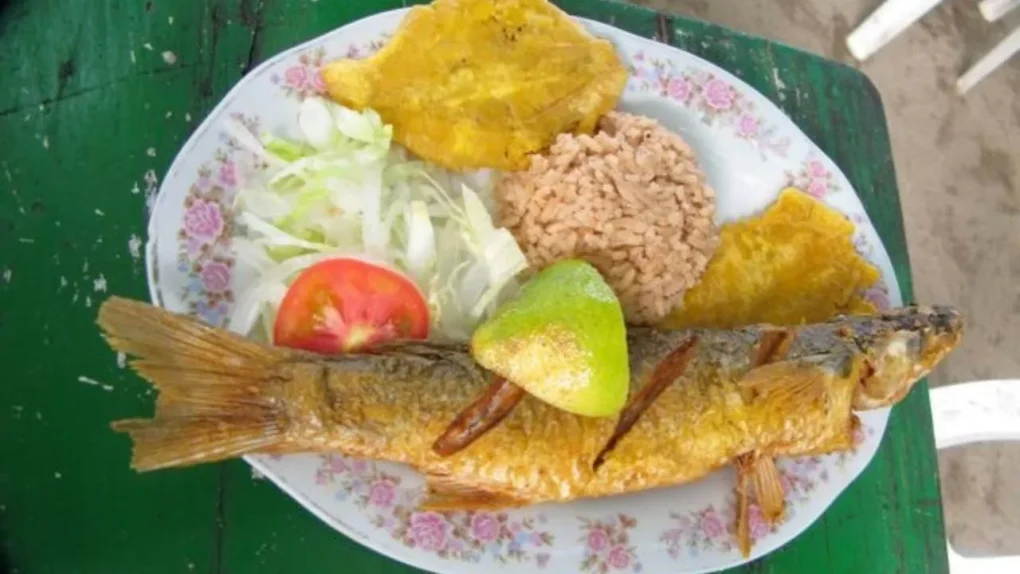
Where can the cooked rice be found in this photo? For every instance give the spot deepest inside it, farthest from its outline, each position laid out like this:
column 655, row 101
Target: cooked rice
column 630, row 200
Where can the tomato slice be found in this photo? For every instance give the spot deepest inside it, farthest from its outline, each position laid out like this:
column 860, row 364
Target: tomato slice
column 344, row 304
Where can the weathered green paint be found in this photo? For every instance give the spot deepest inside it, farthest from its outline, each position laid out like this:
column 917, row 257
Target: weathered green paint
column 78, row 117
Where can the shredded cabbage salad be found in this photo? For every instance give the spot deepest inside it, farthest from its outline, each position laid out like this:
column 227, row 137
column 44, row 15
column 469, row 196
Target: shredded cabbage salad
column 346, row 190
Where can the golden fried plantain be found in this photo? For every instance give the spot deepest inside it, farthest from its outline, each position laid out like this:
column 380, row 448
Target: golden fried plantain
column 793, row 264
column 483, row 83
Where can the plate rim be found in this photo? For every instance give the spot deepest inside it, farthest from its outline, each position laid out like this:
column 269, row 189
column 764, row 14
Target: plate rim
column 155, row 295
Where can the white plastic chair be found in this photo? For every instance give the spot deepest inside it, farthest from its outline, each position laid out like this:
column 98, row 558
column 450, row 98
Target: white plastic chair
column 895, row 16
column 983, row 411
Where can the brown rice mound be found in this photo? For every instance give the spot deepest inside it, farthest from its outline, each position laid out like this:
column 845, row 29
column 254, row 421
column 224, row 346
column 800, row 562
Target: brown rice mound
column 630, row 200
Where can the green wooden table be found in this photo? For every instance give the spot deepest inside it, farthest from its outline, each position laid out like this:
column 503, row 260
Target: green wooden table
column 97, row 96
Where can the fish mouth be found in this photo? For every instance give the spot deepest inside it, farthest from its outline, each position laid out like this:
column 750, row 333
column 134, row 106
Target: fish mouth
column 900, row 348
column 947, row 326
column 947, row 321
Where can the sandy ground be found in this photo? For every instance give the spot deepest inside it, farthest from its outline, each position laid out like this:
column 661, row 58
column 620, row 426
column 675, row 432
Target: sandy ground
column 958, row 164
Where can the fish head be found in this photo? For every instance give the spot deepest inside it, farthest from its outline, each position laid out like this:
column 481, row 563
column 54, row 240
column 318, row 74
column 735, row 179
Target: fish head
column 901, row 347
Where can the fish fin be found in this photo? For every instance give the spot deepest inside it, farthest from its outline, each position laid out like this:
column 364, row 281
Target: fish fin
column 213, row 385
column 445, row 495
column 771, row 348
column 759, row 472
column 773, row 345
column 855, row 427
column 169, row 443
column 792, row 383
column 743, row 508
column 768, row 487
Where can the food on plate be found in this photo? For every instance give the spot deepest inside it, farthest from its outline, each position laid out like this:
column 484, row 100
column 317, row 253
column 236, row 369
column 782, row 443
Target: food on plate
column 477, row 83
column 744, row 396
column 346, row 304
column 792, row 264
column 562, row 339
column 630, row 200
column 344, row 190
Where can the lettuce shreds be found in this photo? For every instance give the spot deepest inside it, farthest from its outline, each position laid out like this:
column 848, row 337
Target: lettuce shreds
column 346, row 190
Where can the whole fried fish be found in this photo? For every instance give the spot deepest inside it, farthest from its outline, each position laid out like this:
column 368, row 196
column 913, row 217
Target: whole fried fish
column 701, row 399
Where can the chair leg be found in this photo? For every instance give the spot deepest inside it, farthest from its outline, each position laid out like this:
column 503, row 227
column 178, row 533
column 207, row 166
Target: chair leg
column 992, row 10
column 998, row 56
column 885, row 23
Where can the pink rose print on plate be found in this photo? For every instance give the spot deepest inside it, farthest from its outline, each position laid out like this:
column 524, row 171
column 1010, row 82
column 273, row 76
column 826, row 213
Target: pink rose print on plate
column 706, row 529
column 718, row 94
column 203, row 221
column 215, row 277
column 747, row 126
column 607, row 544
column 678, row 89
column 428, row 529
column 485, row 527
column 619, row 558
column 382, row 494
column 296, row 77
column 317, row 83
column 302, row 78
column 816, row 168
column 722, row 104
column 204, row 180
column 461, row 536
column 597, row 540
column 817, row 189
column 712, row 524
column 329, row 469
column 815, row 179
column 878, row 295
column 759, row 528
column 228, row 174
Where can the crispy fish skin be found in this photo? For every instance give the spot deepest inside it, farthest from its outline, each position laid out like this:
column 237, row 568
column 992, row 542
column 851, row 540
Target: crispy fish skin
column 223, row 396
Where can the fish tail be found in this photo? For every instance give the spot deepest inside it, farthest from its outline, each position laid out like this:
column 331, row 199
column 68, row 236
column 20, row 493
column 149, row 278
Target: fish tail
column 216, row 388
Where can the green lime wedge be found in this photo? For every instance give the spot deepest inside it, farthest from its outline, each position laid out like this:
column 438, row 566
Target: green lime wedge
column 562, row 339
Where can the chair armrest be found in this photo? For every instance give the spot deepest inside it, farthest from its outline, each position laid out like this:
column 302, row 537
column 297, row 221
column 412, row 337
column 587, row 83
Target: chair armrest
column 966, row 413
column 976, row 412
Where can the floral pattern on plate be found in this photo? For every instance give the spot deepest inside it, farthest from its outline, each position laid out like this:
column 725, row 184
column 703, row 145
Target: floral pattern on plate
column 466, row 536
column 608, row 545
column 713, row 529
column 878, row 294
column 716, row 99
column 204, row 242
column 303, row 79
column 204, row 236
column 814, row 178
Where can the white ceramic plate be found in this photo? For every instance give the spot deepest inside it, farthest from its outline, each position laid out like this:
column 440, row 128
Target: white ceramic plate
column 749, row 150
